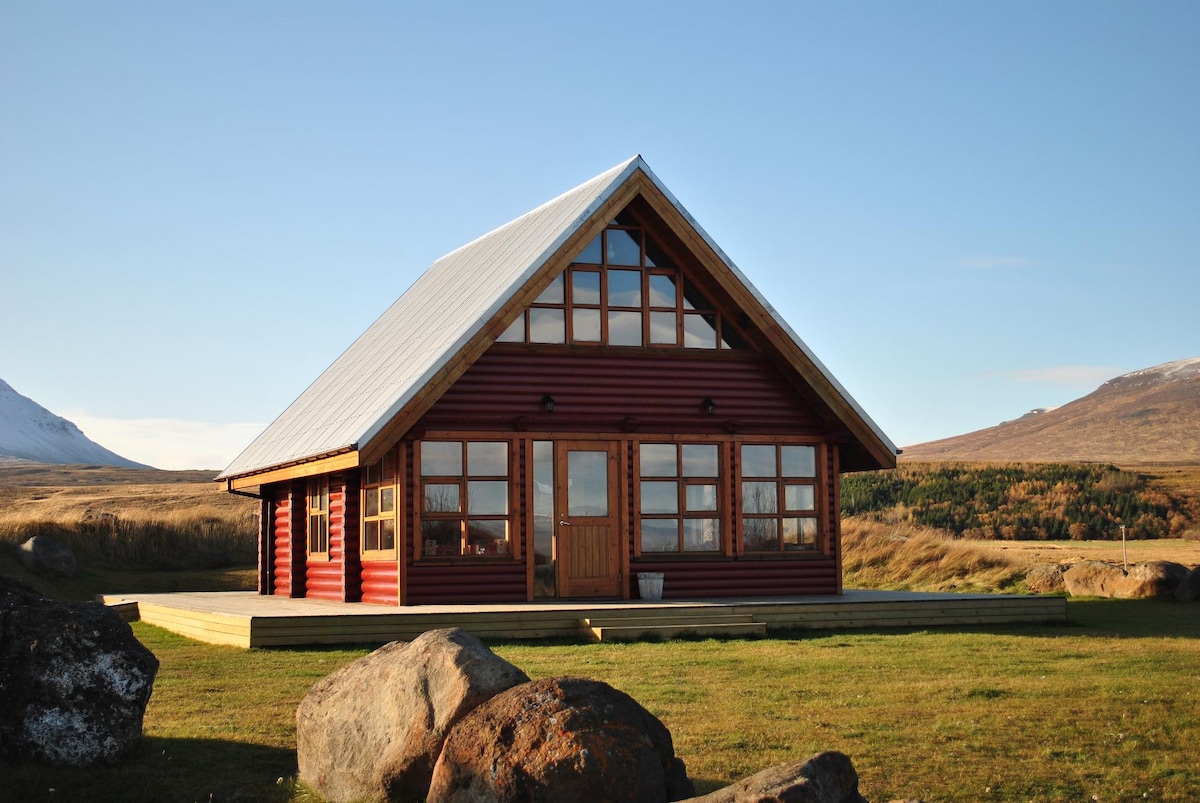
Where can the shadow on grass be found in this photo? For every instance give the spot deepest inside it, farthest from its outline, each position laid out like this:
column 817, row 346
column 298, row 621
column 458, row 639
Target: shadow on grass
column 1090, row 616
column 162, row 769
column 96, row 579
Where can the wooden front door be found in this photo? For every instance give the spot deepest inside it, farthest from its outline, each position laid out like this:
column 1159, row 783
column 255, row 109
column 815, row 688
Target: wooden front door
column 588, row 521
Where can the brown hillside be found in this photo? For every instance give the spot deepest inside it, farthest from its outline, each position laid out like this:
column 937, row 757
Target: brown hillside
column 1142, row 417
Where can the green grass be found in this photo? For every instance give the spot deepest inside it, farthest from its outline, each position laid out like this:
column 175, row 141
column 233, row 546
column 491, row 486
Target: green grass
column 1105, row 706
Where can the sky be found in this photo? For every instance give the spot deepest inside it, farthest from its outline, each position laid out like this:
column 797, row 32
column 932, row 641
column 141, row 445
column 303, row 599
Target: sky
column 966, row 210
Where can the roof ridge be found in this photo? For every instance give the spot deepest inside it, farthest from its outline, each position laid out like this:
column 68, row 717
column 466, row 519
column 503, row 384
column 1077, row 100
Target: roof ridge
column 555, row 200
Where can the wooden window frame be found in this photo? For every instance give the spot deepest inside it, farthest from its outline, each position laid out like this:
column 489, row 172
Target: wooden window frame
column 682, row 514
column 521, row 329
column 317, row 539
column 462, row 515
column 378, row 477
column 782, row 512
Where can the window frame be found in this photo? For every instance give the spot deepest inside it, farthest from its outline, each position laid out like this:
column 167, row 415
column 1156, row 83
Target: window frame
column 463, row 516
column 781, row 481
column 681, row 514
column 317, row 514
column 388, row 477
column 725, row 336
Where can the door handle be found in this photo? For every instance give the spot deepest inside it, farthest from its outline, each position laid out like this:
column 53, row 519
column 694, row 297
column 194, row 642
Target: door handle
column 562, row 523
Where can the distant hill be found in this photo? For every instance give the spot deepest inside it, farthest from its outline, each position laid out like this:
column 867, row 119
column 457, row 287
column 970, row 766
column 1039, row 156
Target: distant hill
column 30, row 432
column 1147, row 416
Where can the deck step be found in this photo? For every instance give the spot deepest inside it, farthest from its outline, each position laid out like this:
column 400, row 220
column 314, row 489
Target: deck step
column 664, row 625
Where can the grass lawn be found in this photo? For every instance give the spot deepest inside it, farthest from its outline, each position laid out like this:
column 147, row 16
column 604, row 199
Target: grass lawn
column 1105, row 706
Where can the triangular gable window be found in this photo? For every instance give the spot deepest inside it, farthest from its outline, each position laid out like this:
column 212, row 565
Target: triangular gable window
column 623, row 290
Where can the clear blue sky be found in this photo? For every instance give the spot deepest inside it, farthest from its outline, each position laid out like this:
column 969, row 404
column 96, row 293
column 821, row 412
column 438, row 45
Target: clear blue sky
column 967, row 210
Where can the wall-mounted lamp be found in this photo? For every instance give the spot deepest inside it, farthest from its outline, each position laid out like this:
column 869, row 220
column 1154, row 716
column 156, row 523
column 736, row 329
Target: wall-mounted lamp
column 710, row 407
column 548, row 403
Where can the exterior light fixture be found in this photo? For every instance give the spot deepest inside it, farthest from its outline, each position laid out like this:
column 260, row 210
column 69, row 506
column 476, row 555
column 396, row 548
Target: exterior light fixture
column 710, row 407
column 548, row 403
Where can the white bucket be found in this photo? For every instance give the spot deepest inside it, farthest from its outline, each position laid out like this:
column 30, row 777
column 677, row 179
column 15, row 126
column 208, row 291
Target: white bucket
column 650, row 585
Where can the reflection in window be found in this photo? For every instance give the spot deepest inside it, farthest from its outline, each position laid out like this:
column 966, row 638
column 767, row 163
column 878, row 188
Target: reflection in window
column 587, row 483
column 778, row 498
column 552, row 294
column 592, row 252
column 547, row 326
column 544, row 573
column 663, row 329
column 662, row 290
column 623, row 247
column 699, row 331
column 624, row 288
column 624, row 328
column 585, row 287
column 585, row 325
column 678, row 504
column 464, row 498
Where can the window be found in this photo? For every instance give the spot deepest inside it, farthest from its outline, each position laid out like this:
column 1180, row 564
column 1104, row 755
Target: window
column 778, row 499
column 622, row 290
column 464, row 498
column 379, row 509
column 679, row 508
column 544, row 557
column 318, row 517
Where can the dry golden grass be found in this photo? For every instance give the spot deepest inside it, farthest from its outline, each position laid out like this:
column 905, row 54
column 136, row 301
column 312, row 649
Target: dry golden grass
column 904, row 556
column 1028, row 554
column 129, row 517
column 896, row 554
column 71, row 493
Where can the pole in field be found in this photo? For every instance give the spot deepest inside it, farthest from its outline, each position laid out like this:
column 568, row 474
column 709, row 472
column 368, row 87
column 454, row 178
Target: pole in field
column 1124, row 550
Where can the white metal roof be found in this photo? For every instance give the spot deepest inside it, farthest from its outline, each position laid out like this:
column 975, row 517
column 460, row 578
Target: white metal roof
column 436, row 317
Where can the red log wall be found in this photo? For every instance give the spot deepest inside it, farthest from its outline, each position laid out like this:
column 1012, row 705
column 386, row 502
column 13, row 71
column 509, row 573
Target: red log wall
column 379, row 582
column 598, row 391
column 430, row 583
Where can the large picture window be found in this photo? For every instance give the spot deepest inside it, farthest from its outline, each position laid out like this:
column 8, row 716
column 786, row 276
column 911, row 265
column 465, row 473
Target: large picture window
column 379, row 509
column 679, row 506
column 318, row 517
column 623, row 290
column 778, row 498
column 463, row 498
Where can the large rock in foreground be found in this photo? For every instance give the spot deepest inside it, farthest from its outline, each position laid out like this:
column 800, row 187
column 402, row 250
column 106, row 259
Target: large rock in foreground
column 373, row 729
column 823, row 778
column 560, row 739
column 74, row 682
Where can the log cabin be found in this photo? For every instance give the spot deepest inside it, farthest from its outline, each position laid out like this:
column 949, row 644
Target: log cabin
column 590, row 392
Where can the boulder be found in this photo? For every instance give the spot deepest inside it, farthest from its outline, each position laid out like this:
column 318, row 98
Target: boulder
column 827, row 777
column 45, row 554
column 74, row 682
column 1156, row 578
column 373, row 729
column 560, row 739
column 1092, row 578
column 1188, row 589
column 1046, row 579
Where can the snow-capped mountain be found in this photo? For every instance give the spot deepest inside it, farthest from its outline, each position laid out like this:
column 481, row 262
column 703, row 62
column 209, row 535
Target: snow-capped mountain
column 1151, row 415
column 28, row 431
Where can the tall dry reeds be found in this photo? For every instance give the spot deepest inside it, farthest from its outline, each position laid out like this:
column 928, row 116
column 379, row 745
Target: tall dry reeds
column 190, row 539
column 899, row 555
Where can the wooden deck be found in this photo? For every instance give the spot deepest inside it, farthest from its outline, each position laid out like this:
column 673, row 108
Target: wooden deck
column 246, row 619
